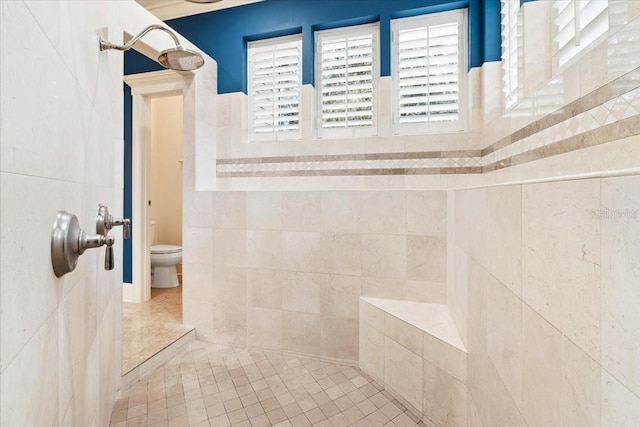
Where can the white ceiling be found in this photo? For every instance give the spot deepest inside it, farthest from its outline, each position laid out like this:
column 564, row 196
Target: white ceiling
column 169, row 9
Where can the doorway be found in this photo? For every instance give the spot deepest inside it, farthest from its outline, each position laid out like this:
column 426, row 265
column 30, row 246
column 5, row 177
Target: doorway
column 152, row 317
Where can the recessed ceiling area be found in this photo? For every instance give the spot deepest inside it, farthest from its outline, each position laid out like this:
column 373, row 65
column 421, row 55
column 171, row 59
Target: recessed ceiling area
column 170, row 9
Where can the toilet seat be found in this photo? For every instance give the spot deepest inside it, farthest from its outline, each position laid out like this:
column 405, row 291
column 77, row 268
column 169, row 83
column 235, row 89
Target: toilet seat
column 165, row 249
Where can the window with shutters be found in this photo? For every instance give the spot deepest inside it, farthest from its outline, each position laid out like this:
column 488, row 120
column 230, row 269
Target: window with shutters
column 347, row 71
column 577, row 25
column 274, row 88
column 429, row 71
column 512, row 50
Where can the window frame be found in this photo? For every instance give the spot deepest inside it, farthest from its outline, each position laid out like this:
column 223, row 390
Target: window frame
column 265, row 45
column 581, row 49
column 432, row 19
column 348, row 131
column 512, row 90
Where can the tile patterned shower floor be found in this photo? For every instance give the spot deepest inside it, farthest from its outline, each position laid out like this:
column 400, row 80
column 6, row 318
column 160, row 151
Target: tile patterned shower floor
column 209, row 385
column 149, row 327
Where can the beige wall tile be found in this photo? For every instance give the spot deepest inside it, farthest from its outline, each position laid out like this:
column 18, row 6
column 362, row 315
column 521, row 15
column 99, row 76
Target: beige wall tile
column 372, row 315
column 504, row 333
column 301, row 251
column 264, row 210
column 199, row 314
column 301, row 291
column 264, row 249
column 384, row 256
column 229, row 209
column 471, row 223
column 403, row 333
column 444, row 398
column 230, row 247
column 494, row 404
column 301, row 211
column 339, row 296
column 427, row 213
column 458, row 289
column 449, row 359
column 197, row 263
column 341, row 253
column 542, row 370
column 620, row 277
column 371, row 343
column 431, row 292
column 427, row 258
column 301, row 332
column 552, row 362
column 403, row 372
column 339, row 338
column 200, row 209
column 264, row 327
column 561, row 258
column 264, row 288
column 504, row 235
column 581, row 390
column 473, row 417
column 620, row 407
column 29, row 370
column 384, row 212
column 341, row 211
column 382, row 288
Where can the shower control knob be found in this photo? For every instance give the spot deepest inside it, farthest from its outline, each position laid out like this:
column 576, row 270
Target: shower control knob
column 105, row 222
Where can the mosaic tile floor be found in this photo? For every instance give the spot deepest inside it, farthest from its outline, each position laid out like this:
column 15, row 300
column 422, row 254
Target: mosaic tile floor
column 209, row 385
column 150, row 326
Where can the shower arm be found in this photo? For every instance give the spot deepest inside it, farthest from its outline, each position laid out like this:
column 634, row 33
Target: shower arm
column 105, row 45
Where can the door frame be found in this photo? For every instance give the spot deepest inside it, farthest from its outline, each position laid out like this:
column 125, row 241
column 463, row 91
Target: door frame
column 144, row 87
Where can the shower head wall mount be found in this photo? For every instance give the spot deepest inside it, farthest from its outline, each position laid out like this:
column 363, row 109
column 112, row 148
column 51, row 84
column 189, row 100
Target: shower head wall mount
column 177, row 58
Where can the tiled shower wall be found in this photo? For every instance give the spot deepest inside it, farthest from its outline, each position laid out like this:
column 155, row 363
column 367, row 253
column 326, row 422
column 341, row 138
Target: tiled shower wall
column 284, row 270
column 545, row 283
column 61, row 147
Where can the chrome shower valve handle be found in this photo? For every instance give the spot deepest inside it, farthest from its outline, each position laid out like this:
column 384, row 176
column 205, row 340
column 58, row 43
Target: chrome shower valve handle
column 69, row 241
column 105, row 222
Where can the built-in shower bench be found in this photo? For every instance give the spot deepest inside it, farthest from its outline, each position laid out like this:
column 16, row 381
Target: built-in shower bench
column 414, row 350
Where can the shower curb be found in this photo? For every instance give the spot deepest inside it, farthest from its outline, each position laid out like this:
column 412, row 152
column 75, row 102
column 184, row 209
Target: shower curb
column 147, row 367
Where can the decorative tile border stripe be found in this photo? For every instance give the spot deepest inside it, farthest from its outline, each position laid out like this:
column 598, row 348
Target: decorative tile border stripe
column 353, row 157
column 592, row 100
column 619, row 108
column 351, row 172
column 607, row 114
column 611, row 132
column 407, row 164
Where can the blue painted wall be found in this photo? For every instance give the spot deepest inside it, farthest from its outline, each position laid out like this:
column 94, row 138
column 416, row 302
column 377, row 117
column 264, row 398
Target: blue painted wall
column 224, row 34
column 127, row 247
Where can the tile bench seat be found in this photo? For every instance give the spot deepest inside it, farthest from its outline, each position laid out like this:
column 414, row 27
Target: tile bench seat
column 415, row 351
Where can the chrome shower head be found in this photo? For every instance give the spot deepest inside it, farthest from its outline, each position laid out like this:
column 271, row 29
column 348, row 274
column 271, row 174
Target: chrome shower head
column 177, row 58
column 180, row 59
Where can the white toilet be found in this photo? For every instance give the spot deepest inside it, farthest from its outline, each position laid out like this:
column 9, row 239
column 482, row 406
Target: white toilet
column 163, row 265
column 163, row 262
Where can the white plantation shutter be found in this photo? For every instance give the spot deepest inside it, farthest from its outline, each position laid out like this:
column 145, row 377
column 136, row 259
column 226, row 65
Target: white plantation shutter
column 347, row 69
column 511, row 32
column 430, row 72
column 578, row 23
column 275, row 79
